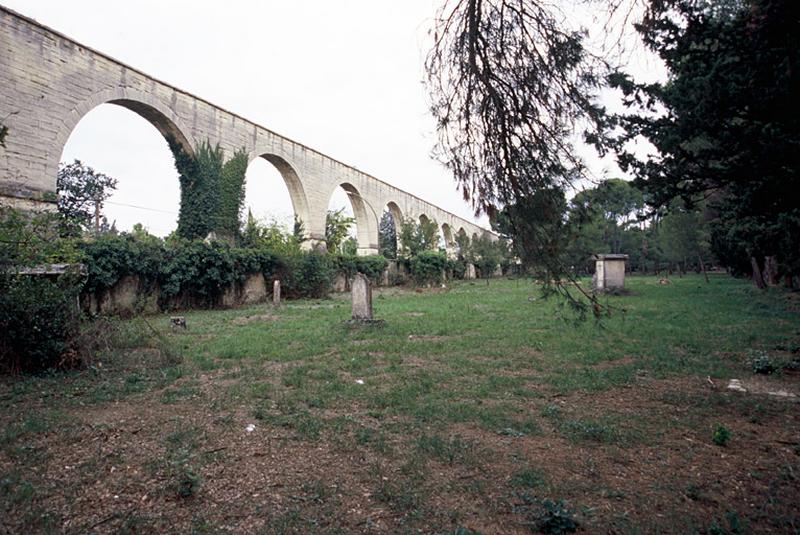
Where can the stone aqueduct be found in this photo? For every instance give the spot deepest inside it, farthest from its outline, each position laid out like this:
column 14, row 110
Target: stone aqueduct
column 48, row 82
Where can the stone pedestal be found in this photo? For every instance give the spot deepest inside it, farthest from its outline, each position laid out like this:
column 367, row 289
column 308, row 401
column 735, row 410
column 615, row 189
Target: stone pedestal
column 361, row 292
column 609, row 272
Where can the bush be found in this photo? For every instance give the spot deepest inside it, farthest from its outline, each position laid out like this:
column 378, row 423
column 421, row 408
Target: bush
column 427, row 266
column 457, row 267
column 371, row 266
column 109, row 258
column 308, row 274
column 39, row 322
column 721, row 435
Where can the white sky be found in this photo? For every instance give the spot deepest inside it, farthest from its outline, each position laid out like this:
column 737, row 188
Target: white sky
column 341, row 76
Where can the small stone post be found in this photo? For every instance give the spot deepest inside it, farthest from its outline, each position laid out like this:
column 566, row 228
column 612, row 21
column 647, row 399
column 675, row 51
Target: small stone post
column 276, row 293
column 470, row 272
column 362, row 298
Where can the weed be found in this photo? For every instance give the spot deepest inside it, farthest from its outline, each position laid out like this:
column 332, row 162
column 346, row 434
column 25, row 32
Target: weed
column 693, row 492
column 401, row 496
column 588, row 430
column 761, row 363
column 374, row 439
column 721, row 435
column 185, row 480
column 528, row 478
column 731, row 526
column 16, row 490
column 556, row 518
column 451, row 450
column 547, row 516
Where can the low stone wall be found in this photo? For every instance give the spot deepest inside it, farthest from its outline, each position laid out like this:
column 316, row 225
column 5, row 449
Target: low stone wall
column 129, row 296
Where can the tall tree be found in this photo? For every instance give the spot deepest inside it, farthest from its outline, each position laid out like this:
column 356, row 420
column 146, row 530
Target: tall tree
column 726, row 123
column 509, row 84
column 337, row 227
column 81, row 193
column 387, row 236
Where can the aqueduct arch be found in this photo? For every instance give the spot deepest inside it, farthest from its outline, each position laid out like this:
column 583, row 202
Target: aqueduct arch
column 156, row 113
column 366, row 217
column 293, row 183
column 48, row 82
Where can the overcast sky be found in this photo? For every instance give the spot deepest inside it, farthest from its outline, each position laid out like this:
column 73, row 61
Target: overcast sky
column 341, row 76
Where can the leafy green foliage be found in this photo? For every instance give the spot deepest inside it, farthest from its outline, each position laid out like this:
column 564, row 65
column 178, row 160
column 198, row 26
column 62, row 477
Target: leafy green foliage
column 39, row 322
column 30, row 239
column 761, row 363
column 80, row 190
column 38, row 314
column 231, row 195
column 536, row 226
column 212, row 190
column 337, row 227
column 427, row 267
column 371, row 266
column 556, row 518
column 723, row 123
column 721, row 435
column 271, row 235
column 109, row 258
column 488, row 254
column 416, row 237
column 308, row 274
column 387, row 236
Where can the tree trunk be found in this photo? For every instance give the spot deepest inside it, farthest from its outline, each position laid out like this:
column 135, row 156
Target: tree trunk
column 703, row 267
column 771, row 270
column 787, row 281
column 757, row 278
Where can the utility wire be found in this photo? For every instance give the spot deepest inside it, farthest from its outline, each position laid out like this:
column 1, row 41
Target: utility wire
column 140, row 207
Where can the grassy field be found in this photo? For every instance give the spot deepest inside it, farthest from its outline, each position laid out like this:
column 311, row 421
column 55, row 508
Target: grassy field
column 476, row 409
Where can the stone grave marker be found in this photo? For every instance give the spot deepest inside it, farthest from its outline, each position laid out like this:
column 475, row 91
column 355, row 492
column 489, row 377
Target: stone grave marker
column 276, row 293
column 361, row 291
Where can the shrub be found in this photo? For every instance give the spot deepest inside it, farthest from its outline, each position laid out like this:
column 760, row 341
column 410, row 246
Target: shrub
column 556, row 518
column 761, row 363
column 197, row 269
column 371, row 266
column 109, row 258
column 39, row 322
column 721, row 435
column 457, row 267
column 427, row 266
column 308, row 274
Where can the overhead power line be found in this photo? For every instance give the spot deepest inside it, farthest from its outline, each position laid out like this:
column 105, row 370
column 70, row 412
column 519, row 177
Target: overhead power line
column 141, row 207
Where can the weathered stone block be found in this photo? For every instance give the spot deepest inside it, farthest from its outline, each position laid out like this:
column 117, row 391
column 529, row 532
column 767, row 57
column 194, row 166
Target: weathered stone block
column 361, row 291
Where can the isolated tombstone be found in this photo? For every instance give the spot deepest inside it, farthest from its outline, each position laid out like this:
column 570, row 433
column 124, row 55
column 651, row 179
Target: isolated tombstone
column 609, row 271
column 276, row 293
column 361, row 292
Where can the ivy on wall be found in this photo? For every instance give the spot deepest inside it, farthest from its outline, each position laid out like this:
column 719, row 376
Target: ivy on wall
column 212, row 190
column 231, row 195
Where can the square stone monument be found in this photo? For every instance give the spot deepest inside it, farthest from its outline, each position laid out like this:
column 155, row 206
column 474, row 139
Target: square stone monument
column 609, row 272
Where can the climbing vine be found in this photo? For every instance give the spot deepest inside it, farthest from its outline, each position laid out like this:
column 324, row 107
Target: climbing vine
column 212, row 190
column 231, row 195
